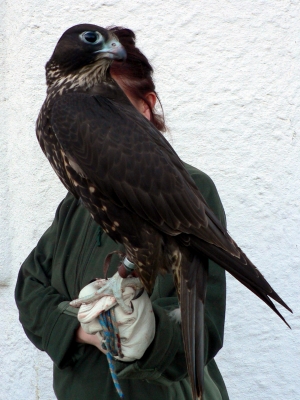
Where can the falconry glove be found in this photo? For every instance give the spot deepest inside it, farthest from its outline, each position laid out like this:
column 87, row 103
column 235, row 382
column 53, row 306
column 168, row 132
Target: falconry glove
column 136, row 330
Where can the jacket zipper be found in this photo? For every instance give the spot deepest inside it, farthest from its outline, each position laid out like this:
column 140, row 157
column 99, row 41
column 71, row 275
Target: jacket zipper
column 80, row 258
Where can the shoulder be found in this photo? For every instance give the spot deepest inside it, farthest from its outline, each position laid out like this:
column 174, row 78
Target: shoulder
column 200, row 178
column 208, row 190
column 66, row 206
column 71, row 212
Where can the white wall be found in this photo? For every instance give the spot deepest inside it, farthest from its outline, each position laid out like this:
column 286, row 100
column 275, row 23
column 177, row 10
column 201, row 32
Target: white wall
column 227, row 73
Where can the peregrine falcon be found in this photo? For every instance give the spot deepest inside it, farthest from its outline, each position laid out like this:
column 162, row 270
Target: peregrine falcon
column 134, row 184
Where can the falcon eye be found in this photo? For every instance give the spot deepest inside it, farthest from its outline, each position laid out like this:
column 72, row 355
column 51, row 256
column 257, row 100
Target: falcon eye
column 91, row 37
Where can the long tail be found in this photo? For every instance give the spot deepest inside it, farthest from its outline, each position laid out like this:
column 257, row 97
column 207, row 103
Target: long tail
column 193, row 279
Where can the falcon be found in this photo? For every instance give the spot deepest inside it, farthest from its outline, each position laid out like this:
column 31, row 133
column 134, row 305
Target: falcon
column 134, row 184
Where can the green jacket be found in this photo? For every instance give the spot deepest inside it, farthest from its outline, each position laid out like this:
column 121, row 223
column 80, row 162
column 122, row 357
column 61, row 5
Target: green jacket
column 68, row 256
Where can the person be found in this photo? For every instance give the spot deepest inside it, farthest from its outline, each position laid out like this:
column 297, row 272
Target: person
column 71, row 253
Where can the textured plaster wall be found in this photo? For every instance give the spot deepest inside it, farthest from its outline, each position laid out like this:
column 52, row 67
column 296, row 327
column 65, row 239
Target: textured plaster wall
column 228, row 76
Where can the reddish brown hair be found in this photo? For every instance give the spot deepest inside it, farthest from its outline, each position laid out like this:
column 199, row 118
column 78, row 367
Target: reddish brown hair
column 136, row 73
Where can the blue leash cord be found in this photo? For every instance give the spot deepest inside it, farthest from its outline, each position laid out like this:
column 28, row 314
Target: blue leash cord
column 112, row 343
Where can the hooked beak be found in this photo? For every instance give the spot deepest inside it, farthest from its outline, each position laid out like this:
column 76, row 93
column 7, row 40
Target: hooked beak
column 113, row 50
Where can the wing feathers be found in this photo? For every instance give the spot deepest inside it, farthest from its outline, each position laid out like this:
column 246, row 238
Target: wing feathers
column 135, row 168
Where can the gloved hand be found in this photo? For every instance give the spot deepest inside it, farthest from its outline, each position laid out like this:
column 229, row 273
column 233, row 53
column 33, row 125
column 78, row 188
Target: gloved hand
column 136, row 330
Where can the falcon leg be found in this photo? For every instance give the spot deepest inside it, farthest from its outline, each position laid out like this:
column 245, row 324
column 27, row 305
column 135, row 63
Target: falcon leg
column 127, row 268
column 113, row 287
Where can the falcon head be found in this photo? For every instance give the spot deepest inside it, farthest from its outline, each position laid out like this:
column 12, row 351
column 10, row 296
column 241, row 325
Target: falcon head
column 84, row 51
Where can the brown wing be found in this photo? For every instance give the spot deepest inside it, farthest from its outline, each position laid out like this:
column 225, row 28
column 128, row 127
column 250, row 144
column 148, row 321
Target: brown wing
column 132, row 165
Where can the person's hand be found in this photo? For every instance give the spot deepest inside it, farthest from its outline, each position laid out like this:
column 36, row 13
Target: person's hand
column 136, row 330
column 94, row 340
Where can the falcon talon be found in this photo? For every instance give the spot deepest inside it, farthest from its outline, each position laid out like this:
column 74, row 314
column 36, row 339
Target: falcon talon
column 113, row 287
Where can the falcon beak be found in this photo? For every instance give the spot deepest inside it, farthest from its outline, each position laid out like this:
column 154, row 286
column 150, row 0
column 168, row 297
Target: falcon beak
column 113, row 50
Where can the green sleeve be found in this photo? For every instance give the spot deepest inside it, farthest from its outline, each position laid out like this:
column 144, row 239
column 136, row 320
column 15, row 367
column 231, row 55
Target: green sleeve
column 164, row 361
column 46, row 325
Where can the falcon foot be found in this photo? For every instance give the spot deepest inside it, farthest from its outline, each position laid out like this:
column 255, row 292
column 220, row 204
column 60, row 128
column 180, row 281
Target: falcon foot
column 113, row 286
